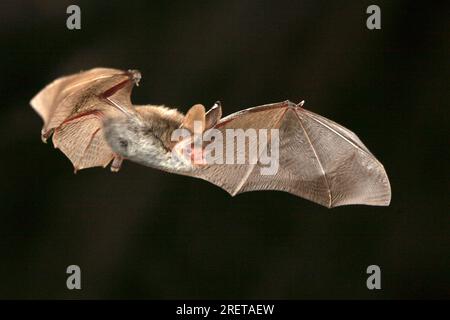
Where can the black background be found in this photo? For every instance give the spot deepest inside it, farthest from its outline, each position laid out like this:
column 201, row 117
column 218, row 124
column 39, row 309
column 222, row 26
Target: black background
column 148, row 234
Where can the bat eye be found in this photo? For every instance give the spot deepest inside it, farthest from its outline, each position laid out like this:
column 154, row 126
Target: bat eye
column 123, row 143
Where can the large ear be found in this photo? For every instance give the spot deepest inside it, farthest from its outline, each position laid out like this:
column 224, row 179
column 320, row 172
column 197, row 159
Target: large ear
column 195, row 113
column 213, row 115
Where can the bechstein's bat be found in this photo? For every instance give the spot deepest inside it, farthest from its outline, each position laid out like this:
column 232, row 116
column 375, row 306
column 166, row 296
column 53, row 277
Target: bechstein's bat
column 94, row 123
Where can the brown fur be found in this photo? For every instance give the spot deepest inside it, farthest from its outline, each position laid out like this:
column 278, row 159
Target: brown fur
column 161, row 121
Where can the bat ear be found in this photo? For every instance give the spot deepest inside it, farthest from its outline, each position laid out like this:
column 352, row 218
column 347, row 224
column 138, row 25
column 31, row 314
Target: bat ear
column 195, row 113
column 213, row 115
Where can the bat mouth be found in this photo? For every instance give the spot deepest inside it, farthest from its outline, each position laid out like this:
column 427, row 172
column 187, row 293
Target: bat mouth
column 189, row 152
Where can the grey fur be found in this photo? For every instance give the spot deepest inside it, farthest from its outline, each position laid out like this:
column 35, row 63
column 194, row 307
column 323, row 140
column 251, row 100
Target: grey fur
column 146, row 138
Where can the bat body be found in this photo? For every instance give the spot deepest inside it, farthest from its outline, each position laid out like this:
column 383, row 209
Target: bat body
column 145, row 139
column 94, row 123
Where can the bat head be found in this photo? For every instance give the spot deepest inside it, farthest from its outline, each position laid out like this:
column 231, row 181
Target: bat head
column 144, row 140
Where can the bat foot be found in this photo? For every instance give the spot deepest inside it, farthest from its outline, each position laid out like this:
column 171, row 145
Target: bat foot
column 116, row 164
column 45, row 135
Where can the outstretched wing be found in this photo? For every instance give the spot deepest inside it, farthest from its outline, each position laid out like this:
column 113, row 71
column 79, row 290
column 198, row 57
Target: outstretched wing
column 72, row 108
column 318, row 159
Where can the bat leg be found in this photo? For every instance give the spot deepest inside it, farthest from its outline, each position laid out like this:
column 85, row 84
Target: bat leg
column 213, row 115
column 116, row 163
column 45, row 135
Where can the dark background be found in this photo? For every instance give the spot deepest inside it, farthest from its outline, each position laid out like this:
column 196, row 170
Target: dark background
column 148, row 234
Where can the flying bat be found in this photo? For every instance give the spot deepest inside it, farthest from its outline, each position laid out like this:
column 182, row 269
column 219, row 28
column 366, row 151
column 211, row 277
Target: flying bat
column 92, row 121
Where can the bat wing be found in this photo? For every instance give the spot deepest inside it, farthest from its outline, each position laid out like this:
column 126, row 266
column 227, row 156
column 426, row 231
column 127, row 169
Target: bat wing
column 72, row 108
column 318, row 159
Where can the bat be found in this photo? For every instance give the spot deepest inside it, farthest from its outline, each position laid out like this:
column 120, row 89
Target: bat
column 91, row 119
